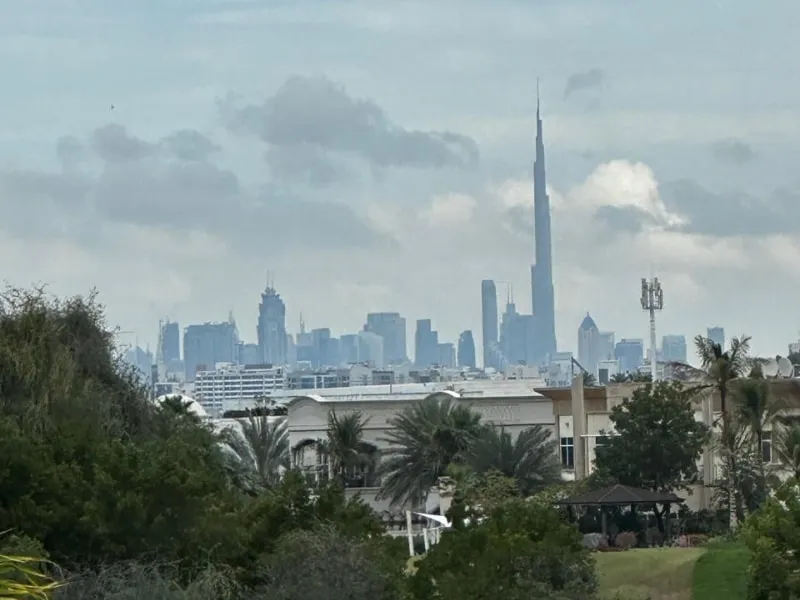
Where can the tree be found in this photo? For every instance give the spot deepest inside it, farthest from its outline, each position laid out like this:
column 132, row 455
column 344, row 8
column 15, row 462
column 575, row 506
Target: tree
column 658, row 441
column 589, row 380
column 21, row 577
column 773, row 536
column 530, row 459
column 787, row 447
column 619, row 378
column 722, row 368
column 325, row 565
column 344, row 453
column 424, row 440
column 261, row 446
column 523, row 550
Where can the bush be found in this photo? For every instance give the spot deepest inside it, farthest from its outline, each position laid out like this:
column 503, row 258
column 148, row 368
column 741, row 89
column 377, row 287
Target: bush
column 626, row 540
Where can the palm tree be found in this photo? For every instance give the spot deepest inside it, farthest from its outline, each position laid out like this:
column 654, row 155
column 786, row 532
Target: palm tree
column 530, row 459
column 351, row 459
column 424, row 440
column 755, row 408
column 343, row 453
column 787, row 447
column 261, row 445
column 21, row 577
column 619, row 378
column 721, row 369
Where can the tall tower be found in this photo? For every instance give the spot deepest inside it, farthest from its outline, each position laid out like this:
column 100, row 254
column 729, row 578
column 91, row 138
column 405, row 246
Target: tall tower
column 542, row 292
column 489, row 322
column 272, row 345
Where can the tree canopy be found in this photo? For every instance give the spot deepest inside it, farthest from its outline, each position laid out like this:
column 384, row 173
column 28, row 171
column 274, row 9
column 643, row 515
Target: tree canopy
column 656, row 441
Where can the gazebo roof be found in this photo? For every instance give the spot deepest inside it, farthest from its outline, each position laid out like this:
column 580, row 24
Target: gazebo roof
column 621, row 495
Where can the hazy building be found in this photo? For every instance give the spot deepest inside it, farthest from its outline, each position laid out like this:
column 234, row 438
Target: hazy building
column 489, row 323
column 716, row 335
column 348, row 348
column 542, row 288
column 630, row 354
column 466, row 350
column 606, row 345
column 673, row 348
column 426, row 342
column 169, row 349
column 272, row 327
column 589, row 345
column 208, row 344
column 370, row 349
column 249, row 354
column 236, row 387
column 392, row 328
column 446, row 355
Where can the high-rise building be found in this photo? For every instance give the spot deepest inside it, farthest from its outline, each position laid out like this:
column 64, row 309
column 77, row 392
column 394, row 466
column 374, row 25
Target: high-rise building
column 272, row 328
column 370, row 349
column 208, row 344
column 392, row 328
column 716, row 335
column 445, row 355
column 169, row 349
column 348, row 348
column 489, row 323
column 630, row 354
column 607, row 343
column 466, row 349
column 673, row 348
column 589, row 345
column 542, row 289
column 517, row 338
column 426, row 342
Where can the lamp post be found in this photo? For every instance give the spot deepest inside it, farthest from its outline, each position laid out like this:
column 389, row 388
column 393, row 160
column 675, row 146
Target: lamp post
column 652, row 300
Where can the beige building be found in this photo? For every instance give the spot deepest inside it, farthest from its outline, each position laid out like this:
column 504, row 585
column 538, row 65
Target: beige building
column 579, row 419
column 515, row 405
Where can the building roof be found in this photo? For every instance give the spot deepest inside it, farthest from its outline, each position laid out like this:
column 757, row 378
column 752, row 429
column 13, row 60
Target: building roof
column 467, row 390
column 588, row 323
column 620, row 495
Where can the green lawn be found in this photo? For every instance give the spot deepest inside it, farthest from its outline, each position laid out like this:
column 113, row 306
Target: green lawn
column 721, row 573
column 718, row 571
column 648, row 573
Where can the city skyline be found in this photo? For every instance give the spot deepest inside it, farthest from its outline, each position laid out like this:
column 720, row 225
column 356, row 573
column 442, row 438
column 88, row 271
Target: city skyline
column 380, row 177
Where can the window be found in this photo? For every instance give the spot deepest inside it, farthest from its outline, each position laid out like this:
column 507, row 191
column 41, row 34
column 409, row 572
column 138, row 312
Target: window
column 766, row 446
column 567, row 453
column 600, row 441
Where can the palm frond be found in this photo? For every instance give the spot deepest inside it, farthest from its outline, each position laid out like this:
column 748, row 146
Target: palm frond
column 423, row 441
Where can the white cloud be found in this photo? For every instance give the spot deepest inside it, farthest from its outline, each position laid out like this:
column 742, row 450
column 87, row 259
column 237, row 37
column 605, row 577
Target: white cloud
column 451, row 210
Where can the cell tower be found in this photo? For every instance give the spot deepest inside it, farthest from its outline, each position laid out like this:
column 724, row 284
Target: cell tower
column 652, row 300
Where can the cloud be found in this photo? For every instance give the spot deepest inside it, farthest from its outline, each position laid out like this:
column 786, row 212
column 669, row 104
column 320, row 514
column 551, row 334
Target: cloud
column 585, row 80
column 317, row 113
column 732, row 151
column 450, row 210
column 190, row 145
column 170, row 185
column 733, row 213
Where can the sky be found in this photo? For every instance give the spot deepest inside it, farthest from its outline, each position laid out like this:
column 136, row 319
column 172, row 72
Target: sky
column 377, row 156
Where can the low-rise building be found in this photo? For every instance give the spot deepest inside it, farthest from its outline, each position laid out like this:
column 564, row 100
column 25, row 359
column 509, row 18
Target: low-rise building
column 236, row 387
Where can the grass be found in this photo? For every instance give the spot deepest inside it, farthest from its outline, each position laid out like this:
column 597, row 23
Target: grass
column 715, row 572
column 722, row 572
column 648, row 573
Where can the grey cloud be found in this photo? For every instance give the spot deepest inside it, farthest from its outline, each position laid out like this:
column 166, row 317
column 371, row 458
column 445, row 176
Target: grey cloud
column 318, row 112
column 728, row 214
column 189, row 145
column 582, row 81
column 140, row 186
column 70, row 151
column 113, row 144
column 307, row 164
column 628, row 219
column 732, row 151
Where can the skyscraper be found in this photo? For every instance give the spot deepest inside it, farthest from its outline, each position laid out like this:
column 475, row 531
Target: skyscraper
column 426, row 342
column 466, row 349
column 392, row 328
column 489, row 322
column 272, row 327
column 589, row 345
column 717, row 335
column 542, row 292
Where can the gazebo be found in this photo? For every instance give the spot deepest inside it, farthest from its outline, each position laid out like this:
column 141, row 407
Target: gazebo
column 621, row 495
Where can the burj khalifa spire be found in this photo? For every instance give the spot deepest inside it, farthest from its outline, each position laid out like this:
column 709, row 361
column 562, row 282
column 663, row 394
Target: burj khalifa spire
column 542, row 292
